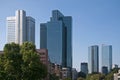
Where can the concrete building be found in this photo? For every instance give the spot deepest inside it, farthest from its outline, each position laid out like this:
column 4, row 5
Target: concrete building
column 55, row 69
column 93, row 59
column 56, row 36
column 84, row 67
column 117, row 76
column 66, row 73
column 107, row 56
column 11, row 29
column 43, row 53
column 20, row 28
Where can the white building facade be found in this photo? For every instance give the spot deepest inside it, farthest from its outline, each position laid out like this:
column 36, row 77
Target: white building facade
column 20, row 28
column 117, row 76
column 11, row 29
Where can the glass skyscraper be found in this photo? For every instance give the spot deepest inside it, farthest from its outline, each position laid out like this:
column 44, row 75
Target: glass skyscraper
column 107, row 56
column 20, row 28
column 93, row 59
column 56, row 36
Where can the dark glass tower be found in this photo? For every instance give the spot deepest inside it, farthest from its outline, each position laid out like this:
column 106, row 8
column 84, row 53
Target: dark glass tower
column 56, row 36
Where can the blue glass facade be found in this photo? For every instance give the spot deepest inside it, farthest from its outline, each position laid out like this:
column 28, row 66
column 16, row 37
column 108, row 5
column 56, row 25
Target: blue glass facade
column 56, row 36
column 107, row 56
column 43, row 35
column 93, row 59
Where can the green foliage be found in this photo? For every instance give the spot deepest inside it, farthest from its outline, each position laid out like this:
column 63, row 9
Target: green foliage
column 81, row 74
column 53, row 77
column 21, row 63
column 2, row 74
column 80, row 78
column 100, row 76
column 12, row 61
column 109, row 76
column 68, row 79
column 95, row 76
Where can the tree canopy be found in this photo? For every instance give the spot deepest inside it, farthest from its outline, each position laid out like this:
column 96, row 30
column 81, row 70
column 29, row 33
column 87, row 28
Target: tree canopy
column 21, row 63
column 98, row 76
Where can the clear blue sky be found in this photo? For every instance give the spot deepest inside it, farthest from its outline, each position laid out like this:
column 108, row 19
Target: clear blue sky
column 95, row 22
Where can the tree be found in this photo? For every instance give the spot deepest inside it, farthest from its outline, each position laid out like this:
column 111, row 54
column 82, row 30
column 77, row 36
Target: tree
column 67, row 79
column 81, row 74
column 12, row 61
column 109, row 76
column 2, row 73
column 95, row 76
column 53, row 77
column 32, row 68
column 21, row 63
column 80, row 78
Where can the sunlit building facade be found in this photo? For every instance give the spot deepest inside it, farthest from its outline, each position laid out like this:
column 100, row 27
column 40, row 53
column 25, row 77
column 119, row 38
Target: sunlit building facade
column 11, row 29
column 93, row 59
column 20, row 28
column 107, row 56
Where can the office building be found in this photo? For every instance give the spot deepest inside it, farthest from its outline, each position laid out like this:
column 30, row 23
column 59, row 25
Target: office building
column 20, row 28
column 93, row 59
column 84, row 67
column 104, row 69
column 11, row 29
column 107, row 56
column 56, row 36
column 74, row 74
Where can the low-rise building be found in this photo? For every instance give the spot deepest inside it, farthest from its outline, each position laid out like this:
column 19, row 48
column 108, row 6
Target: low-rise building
column 84, row 67
column 66, row 73
column 104, row 69
column 74, row 74
column 43, row 56
column 55, row 69
column 43, row 53
column 117, row 76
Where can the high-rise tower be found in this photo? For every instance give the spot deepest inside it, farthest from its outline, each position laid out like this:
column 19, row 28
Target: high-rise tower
column 107, row 56
column 56, row 36
column 20, row 28
column 93, row 59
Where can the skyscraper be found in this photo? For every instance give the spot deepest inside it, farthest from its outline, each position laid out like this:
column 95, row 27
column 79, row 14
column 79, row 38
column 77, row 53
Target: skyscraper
column 56, row 36
column 107, row 56
column 93, row 59
column 20, row 28
column 11, row 29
